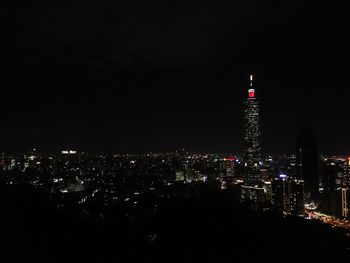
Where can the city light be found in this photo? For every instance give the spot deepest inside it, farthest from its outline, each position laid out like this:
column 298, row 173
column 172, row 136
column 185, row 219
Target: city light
column 174, row 131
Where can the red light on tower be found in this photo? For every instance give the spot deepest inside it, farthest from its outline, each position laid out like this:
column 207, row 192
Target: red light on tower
column 251, row 93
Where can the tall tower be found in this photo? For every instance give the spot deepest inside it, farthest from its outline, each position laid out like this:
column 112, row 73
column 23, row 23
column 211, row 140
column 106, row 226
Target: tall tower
column 345, row 192
column 252, row 148
column 307, row 162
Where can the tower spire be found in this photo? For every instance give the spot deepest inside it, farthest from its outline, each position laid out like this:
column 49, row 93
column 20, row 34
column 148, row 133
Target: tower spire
column 251, row 91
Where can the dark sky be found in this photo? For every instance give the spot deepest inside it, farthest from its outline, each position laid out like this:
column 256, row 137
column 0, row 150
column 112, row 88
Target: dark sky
column 157, row 75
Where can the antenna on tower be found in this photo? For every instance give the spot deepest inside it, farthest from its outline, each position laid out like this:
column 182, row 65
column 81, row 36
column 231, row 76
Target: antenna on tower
column 251, row 91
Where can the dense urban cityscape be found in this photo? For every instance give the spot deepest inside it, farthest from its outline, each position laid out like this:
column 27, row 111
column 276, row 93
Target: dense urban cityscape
column 124, row 187
column 122, row 177
column 174, row 131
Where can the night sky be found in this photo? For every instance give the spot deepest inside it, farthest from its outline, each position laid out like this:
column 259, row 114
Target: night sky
column 159, row 75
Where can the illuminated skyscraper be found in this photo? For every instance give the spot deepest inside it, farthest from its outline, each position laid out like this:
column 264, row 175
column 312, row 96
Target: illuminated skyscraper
column 252, row 146
column 281, row 194
column 346, row 180
column 297, row 197
column 288, row 195
column 345, row 192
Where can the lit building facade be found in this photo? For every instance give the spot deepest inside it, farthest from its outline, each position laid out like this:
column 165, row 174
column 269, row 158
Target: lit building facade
column 288, row 195
column 281, row 194
column 252, row 147
column 255, row 198
column 345, row 192
column 297, row 197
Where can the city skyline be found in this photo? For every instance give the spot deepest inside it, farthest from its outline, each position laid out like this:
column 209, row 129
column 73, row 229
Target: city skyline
column 174, row 131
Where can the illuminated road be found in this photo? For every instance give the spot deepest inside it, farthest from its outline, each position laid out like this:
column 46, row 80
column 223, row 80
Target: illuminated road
column 334, row 222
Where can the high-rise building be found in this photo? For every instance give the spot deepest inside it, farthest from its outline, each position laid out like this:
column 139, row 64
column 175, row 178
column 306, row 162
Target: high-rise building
column 288, row 195
column 228, row 166
column 345, row 202
column 338, row 204
column 253, row 197
column 297, row 197
column 252, row 148
column 281, row 194
column 307, row 162
column 346, row 179
column 335, row 195
column 345, row 191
